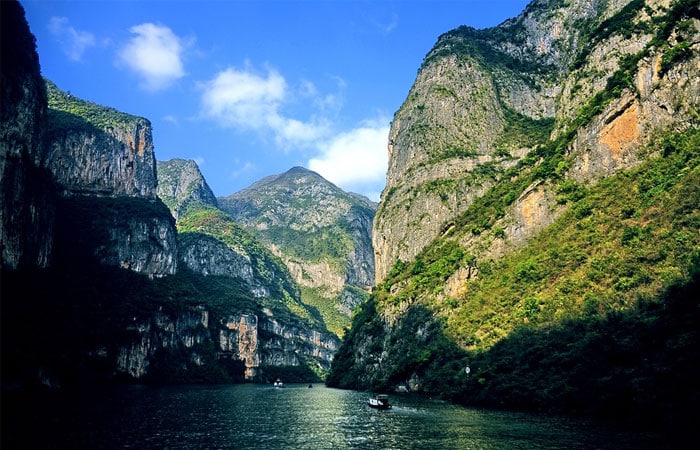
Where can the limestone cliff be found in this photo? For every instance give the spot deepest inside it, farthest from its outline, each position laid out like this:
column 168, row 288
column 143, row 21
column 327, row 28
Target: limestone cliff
column 210, row 243
column 321, row 233
column 26, row 202
column 483, row 99
column 104, row 163
column 253, row 341
column 542, row 196
column 97, row 150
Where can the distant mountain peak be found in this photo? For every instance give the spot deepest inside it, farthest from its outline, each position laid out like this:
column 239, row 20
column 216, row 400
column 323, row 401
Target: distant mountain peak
column 321, row 232
column 300, row 170
column 182, row 185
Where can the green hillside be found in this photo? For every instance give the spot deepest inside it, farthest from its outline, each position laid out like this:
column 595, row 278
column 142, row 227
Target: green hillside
column 270, row 269
column 608, row 293
column 595, row 312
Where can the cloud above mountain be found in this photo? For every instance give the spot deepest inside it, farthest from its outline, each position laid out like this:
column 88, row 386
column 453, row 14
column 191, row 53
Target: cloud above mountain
column 154, row 53
column 355, row 160
column 247, row 100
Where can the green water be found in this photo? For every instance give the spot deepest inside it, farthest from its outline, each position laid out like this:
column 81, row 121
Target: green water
column 295, row 417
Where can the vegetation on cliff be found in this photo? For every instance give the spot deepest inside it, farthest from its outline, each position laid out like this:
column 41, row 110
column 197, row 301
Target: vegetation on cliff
column 70, row 113
column 588, row 313
column 320, row 232
column 266, row 266
column 602, row 305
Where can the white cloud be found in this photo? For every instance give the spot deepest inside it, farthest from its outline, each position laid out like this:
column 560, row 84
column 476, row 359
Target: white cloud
column 356, row 160
column 155, row 54
column 73, row 42
column 249, row 101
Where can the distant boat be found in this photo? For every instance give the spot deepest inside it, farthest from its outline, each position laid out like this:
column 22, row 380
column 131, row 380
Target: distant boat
column 279, row 384
column 379, row 401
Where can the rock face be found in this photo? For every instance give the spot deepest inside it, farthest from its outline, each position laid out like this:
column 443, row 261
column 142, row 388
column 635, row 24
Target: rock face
column 212, row 245
column 264, row 341
column 181, row 186
column 254, row 340
column 26, row 204
column 502, row 137
column 101, row 155
column 186, row 331
column 209, row 256
column 97, row 150
column 321, row 233
column 458, row 130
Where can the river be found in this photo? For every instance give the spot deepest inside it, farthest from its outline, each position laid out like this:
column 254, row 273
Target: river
column 295, row 417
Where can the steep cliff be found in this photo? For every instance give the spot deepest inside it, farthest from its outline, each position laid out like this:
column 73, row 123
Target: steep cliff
column 543, row 187
column 90, row 286
column 321, row 233
column 26, row 201
column 276, row 329
column 98, row 150
column 484, row 99
column 104, row 164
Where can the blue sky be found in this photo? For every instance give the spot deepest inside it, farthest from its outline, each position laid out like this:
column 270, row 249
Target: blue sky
column 252, row 88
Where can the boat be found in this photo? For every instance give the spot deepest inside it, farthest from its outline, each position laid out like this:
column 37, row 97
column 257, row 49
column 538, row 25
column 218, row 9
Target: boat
column 379, row 401
column 279, row 384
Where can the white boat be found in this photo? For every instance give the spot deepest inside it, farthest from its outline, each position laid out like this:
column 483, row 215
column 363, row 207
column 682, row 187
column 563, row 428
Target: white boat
column 278, row 383
column 379, row 401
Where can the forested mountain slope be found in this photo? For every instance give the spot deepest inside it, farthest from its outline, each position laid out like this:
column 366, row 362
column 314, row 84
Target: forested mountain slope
column 322, row 233
column 540, row 220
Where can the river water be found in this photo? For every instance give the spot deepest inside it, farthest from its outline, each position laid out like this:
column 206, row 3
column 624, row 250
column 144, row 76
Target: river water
column 295, row 417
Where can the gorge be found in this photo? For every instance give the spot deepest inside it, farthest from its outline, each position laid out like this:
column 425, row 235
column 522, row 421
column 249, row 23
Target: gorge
column 536, row 246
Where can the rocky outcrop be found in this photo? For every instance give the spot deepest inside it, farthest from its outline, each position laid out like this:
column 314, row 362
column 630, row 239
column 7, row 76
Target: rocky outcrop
column 182, row 186
column 185, row 331
column 148, row 246
column 256, row 339
column 209, row 256
column 26, row 200
column 264, row 341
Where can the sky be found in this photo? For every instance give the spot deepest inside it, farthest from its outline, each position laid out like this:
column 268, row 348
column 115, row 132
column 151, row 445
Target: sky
column 249, row 88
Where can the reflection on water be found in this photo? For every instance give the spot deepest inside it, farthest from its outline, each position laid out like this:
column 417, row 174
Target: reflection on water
column 296, row 417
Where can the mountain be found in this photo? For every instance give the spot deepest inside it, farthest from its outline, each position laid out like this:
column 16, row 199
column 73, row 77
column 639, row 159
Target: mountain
column 211, row 244
column 181, row 186
column 98, row 285
column 104, row 167
column 537, row 241
column 322, row 233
